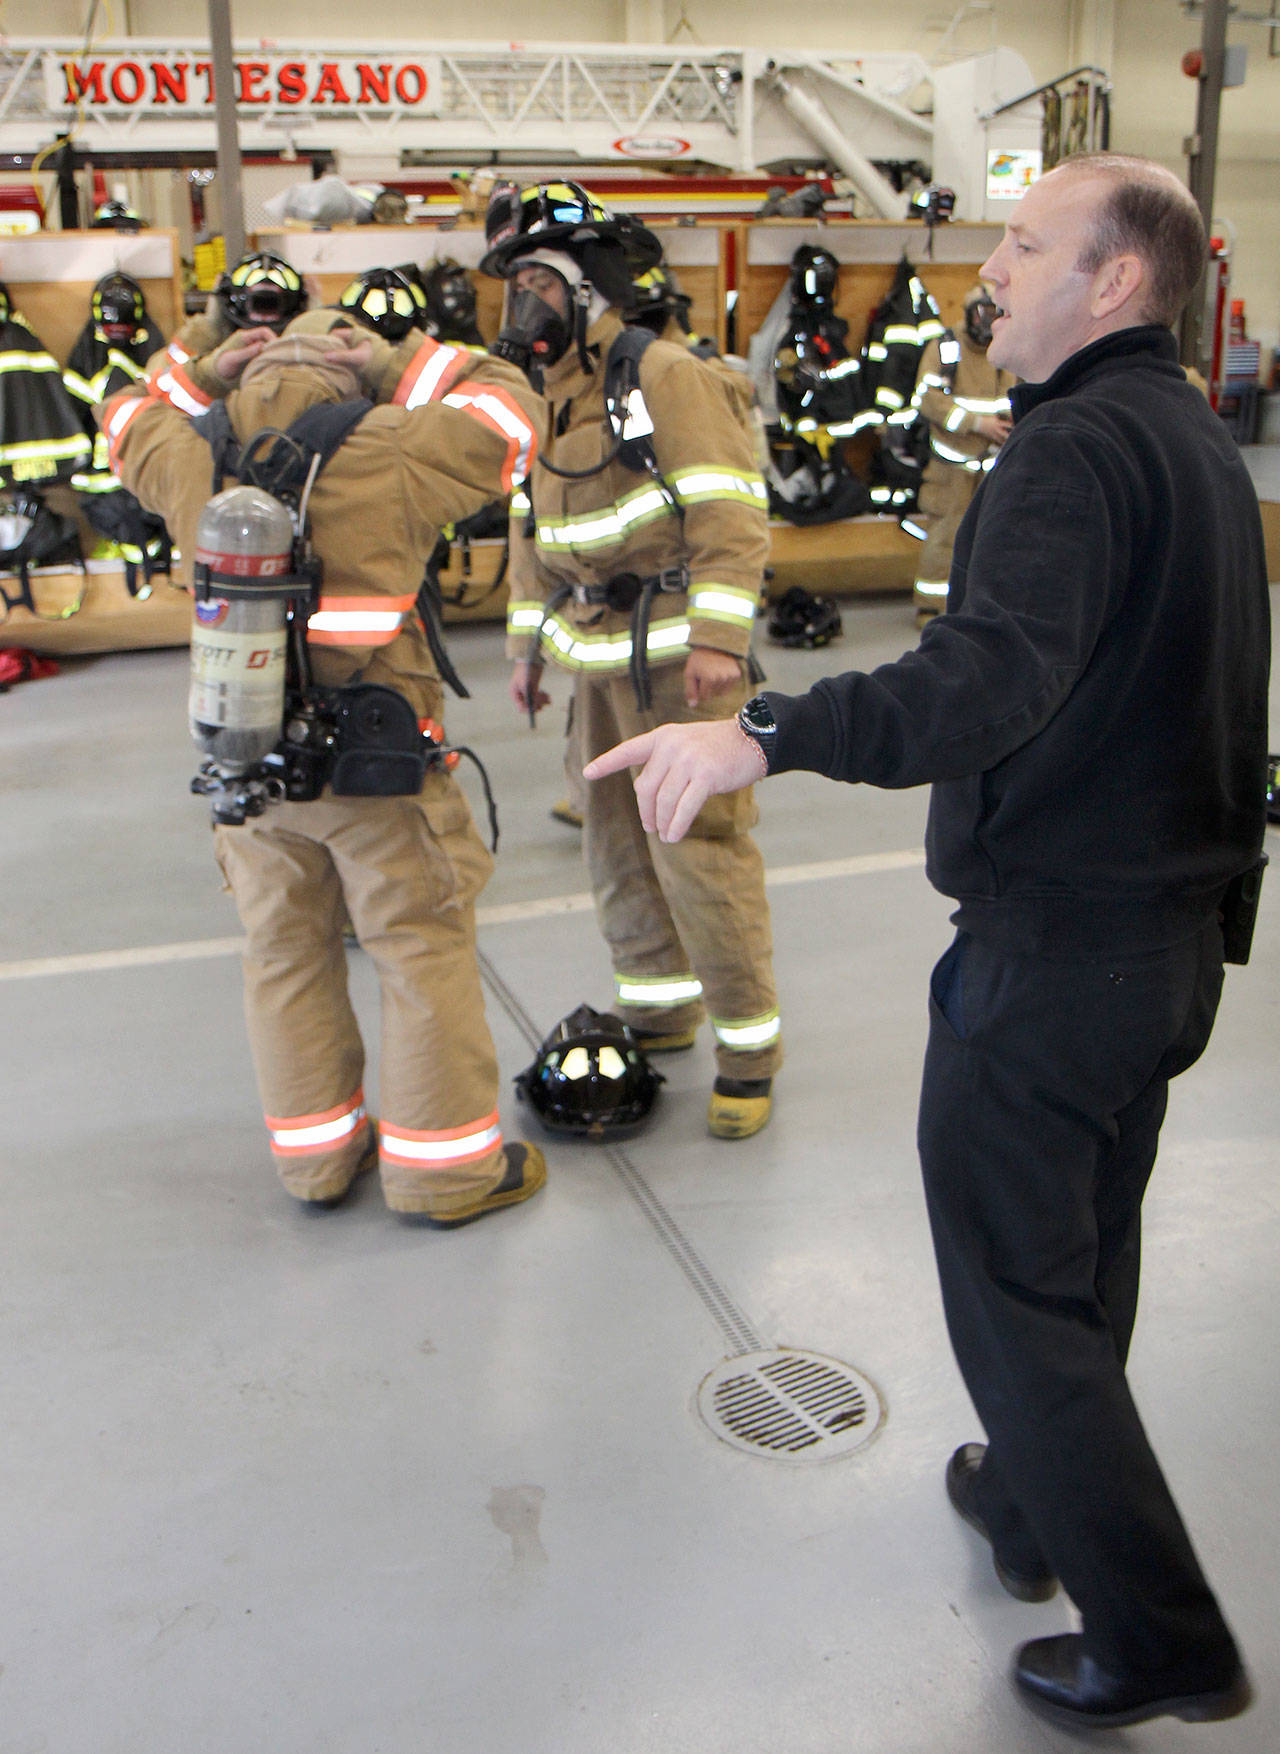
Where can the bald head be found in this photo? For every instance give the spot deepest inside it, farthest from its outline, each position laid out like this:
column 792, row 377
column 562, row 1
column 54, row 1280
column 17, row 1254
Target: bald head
column 1142, row 209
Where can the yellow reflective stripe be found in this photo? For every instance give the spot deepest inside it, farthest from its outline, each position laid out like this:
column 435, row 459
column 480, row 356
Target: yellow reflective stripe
column 901, row 335
column 80, row 387
column 519, row 503
column 21, row 361
column 976, row 405
column 930, row 330
column 723, row 603
column 751, row 1032
column 104, row 482
column 950, row 456
column 661, row 989
column 698, row 483
column 118, row 361
column 524, row 617
column 877, row 350
column 44, row 448
column 598, row 529
column 846, row 428
column 603, row 651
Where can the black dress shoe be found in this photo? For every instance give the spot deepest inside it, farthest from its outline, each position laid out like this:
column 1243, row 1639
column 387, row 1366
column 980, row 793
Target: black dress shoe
column 1027, row 1586
column 1057, row 1679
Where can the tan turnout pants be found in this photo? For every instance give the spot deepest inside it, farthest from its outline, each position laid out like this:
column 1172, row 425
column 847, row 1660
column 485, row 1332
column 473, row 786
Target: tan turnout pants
column 945, row 493
column 408, row 871
column 688, row 924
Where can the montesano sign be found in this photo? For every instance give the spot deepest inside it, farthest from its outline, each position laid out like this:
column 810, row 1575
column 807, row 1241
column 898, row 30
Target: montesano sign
column 180, row 83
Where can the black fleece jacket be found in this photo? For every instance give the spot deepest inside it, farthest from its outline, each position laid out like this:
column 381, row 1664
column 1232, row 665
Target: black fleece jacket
column 1092, row 708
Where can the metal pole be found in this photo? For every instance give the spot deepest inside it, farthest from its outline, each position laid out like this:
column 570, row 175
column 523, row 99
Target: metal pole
column 1202, row 150
column 230, row 193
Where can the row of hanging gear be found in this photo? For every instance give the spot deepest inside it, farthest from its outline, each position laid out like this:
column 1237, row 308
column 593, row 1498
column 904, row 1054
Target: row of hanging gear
column 815, row 393
column 1074, row 120
column 48, row 438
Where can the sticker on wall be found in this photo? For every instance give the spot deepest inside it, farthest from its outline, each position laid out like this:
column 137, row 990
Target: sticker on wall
column 1011, row 174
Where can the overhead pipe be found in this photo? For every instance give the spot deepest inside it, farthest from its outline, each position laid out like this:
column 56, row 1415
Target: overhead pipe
column 875, row 189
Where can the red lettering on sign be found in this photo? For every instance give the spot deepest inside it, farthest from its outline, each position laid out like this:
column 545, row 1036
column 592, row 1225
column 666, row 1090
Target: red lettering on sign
column 204, row 69
column 292, row 81
column 258, row 660
column 250, row 75
column 135, row 75
column 374, row 87
column 79, row 82
column 170, row 82
column 330, row 81
column 420, row 80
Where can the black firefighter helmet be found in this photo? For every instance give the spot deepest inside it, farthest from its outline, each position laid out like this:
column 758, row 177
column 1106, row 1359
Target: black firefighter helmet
column 118, row 306
column 656, row 298
column 800, row 619
column 815, row 274
column 590, row 1078
column 608, row 247
column 386, row 300
column 262, row 290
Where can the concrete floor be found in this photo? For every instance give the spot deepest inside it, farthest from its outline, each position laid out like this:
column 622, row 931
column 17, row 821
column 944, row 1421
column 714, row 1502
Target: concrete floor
column 321, row 1484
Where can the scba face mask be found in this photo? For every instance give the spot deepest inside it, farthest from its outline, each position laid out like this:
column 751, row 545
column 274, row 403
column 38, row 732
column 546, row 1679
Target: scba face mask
column 535, row 333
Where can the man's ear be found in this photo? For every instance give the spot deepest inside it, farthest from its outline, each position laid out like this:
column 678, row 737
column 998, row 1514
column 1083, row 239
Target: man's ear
column 1119, row 286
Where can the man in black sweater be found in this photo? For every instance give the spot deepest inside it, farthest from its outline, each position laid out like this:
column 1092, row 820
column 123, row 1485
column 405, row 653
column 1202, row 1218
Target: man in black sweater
column 1091, row 711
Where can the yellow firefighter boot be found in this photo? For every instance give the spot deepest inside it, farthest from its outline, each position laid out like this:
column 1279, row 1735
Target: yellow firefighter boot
column 564, row 810
column 739, row 1106
column 525, row 1173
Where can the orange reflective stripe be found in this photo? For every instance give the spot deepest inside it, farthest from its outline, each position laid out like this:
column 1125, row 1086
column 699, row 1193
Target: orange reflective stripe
column 503, row 415
column 440, row 1148
column 310, row 1135
column 429, row 373
column 357, row 621
column 119, row 412
column 172, row 385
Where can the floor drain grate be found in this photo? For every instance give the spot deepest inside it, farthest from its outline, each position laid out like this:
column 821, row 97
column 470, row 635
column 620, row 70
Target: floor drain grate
column 791, row 1406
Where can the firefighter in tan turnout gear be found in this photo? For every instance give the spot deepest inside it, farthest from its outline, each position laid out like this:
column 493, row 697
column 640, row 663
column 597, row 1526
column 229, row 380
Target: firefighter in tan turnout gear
column 408, row 868
column 637, row 557
column 965, row 400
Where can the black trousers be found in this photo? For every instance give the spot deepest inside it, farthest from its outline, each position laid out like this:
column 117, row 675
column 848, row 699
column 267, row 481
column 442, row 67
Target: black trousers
column 1045, row 1084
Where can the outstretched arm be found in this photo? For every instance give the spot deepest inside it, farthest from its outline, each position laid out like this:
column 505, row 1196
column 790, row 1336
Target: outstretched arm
column 681, row 766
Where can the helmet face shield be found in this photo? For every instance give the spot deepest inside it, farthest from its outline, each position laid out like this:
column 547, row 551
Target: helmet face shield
column 590, row 1078
column 386, row 301
column 262, row 291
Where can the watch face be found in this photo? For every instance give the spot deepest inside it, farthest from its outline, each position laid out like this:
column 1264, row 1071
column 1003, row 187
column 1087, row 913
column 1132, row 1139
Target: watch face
column 757, row 718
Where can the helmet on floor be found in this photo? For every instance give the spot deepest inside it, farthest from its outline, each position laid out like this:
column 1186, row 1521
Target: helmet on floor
column 261, row 289
column 387, row 301
column 590, row 1078
column 800, row 619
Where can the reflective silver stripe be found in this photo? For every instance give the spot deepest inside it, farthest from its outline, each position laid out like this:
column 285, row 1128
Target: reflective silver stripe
column 177, row 353
column 430, row 375
column 930, row 329
column 723, row 603
column 931, row 587
column 975, row 405
column 354, row 621
column 842, row 368
column 699, row 483
column 438, row 1150
column 950, row 456
column 901, row 335
column 524, row 617
column 949, row 352
column 315, row 1138
column 756, row 1032
column 597, row 529
column 845, row 428
column 915, row 530
column 611, row 651
column 657, row 989
column 189, row 400
column 877, row 350
column 520, row 503
column 956, row 418
column 80, row 387
column 28, row 362
column 497, row 410
column 52, row 449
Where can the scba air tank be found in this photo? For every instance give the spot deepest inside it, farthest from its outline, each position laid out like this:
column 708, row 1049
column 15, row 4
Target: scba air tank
column 238, row 641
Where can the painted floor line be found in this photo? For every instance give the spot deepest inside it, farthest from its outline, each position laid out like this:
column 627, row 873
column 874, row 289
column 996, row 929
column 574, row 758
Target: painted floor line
column 510, row 913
